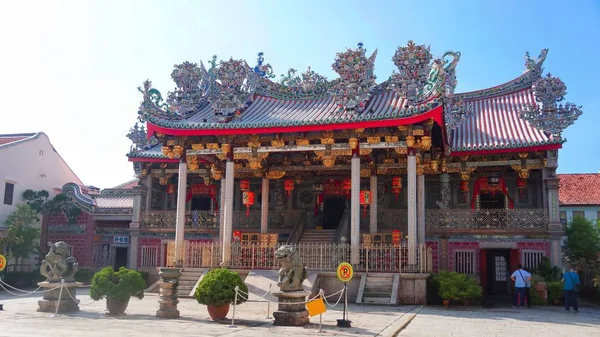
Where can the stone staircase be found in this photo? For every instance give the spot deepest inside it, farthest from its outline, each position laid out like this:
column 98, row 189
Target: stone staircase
column 188, row 280
column 317, row 236
column 378, row 288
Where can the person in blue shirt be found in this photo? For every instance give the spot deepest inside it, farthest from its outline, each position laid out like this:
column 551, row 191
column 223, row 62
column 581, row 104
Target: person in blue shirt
column 521, row 278
column 570, row 283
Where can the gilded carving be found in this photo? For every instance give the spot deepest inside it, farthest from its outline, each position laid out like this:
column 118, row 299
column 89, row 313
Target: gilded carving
column 410, row 141
column 373, row 140
column 302, row 142
column 192, row 163
column 425, row 143
column 197, row 147
column 274, row 174
column 353, row 142
column 391, row 139
column 328, row 160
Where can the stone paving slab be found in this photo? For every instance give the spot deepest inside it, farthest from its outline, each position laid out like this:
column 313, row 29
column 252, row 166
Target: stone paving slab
column 20, row 318
column 540, row 321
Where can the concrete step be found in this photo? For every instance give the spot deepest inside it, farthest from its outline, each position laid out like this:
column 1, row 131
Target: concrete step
column 376, row 300
column 378, row 294
column 370, row 289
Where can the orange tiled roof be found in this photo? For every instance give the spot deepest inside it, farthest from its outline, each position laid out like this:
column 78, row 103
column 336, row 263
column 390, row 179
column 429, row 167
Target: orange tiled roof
column 579, row 189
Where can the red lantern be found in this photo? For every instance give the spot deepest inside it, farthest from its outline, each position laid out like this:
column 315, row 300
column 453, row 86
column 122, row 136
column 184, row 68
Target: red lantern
column 347, row 185
column 464, row 186
column 396, row 186
column 248, row 200
column 521, row 186
column 288, row 186
column 396, row 237
column 171, row 189
column 365, row 200
column 244, row 185
column 237, row 235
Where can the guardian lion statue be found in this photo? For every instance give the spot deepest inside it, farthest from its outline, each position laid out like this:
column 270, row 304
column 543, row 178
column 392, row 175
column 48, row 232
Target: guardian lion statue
column 59, row 264
column 292, row 272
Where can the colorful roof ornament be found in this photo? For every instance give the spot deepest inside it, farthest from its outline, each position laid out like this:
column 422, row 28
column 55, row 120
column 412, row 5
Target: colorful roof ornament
column 357, row 79
column 456, row 111
column 192, row 88
column 139, row 138
column 546, row 114
column 263, row 70
column 153, row 106
column 235, row 85
column 307, row 84
column 414, row 68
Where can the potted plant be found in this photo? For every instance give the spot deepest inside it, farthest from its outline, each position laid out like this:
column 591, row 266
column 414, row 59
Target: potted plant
column 217, row 291
column 117, row 288
column 555, row 292
column 448, row 287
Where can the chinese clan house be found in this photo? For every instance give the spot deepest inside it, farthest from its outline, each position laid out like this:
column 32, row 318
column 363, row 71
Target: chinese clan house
column 399, row 177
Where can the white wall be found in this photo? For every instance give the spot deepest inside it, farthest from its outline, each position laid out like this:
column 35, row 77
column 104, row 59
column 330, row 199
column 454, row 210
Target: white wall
column 32, row 164
column 591, row 212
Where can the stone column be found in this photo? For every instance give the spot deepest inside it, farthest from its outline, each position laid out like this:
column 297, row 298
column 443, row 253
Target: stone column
column 421, row 206
column 373, row 214
column 134, row 226
column 412, row 206
column 264, row 206
column 355, row 211
column 223, row 189
column 228, row 212
column 149, row 192
column 555, row 229
column 180, row 221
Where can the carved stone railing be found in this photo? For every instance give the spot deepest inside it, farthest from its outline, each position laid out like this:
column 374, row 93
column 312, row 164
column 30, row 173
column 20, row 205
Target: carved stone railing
column 165, row 219
column 514, row 220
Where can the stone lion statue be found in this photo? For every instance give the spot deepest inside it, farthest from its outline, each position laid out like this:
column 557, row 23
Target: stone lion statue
column 58, row 264
column 292, row 272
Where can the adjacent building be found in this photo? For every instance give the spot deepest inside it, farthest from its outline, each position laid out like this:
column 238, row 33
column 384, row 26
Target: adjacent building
column 579, row 196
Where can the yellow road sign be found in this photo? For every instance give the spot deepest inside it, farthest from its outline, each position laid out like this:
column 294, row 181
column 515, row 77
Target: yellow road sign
column 316, row 307
column 345, row 272
column 2, row 262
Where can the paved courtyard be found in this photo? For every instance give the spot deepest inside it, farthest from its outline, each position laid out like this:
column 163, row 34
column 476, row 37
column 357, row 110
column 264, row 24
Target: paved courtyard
column 541, row 321
column 20, row 318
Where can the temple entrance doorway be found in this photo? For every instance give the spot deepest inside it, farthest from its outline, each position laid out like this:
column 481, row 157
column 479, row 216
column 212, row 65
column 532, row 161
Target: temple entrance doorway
column 496, row 268
column 492, row 200
column 121, row 255
column 333, row 208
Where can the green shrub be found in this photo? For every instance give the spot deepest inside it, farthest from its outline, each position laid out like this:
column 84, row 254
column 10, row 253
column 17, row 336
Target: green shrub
column 555, row 291
column 218, row 288
column 84, row 276
column 457, row 286
column 433, row 286
column 547, row 272
column 536, row 299
column 145, row 276
column 118, row 286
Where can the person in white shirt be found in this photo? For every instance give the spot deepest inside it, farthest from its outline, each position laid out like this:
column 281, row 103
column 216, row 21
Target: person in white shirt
column 521, row 278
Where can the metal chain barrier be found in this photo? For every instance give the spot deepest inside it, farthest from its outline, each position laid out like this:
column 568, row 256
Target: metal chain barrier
column 24, row 292
column 75, row 300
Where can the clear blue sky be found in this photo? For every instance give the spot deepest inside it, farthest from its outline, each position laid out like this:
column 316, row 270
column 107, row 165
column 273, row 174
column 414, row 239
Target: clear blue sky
column 71, row 68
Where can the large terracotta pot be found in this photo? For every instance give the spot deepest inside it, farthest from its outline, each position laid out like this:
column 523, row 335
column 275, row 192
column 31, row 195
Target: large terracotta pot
column 446, row 303
column 116, row 307
column 217, row 313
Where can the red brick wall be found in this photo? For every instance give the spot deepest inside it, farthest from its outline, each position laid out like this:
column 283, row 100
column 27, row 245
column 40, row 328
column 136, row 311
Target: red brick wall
column 77, row 242
column 543, row 246
column 467, row 245
column 434, row 253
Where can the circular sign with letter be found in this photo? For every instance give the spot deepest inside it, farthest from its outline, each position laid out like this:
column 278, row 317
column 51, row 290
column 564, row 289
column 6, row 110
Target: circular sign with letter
column 345, row 272
column 2, row 262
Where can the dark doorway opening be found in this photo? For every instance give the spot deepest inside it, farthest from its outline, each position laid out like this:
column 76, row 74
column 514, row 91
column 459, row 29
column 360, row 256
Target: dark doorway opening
column 334, row 209
column 121, row 257
column 200, row 203
column 498, row 283
column 491, row 200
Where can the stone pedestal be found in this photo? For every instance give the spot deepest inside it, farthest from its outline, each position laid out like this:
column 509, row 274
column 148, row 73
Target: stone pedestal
column 291, row 310
column 168, row 293
column 66, row 302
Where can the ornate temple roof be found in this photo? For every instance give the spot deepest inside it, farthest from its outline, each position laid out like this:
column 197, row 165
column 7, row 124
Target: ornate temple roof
column 108, row 201
column 233, row 98
column 496, row 125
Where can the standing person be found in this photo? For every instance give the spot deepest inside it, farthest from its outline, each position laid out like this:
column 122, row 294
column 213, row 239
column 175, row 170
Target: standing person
column 528, row 291
column 570, row 285
column 521, row 278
